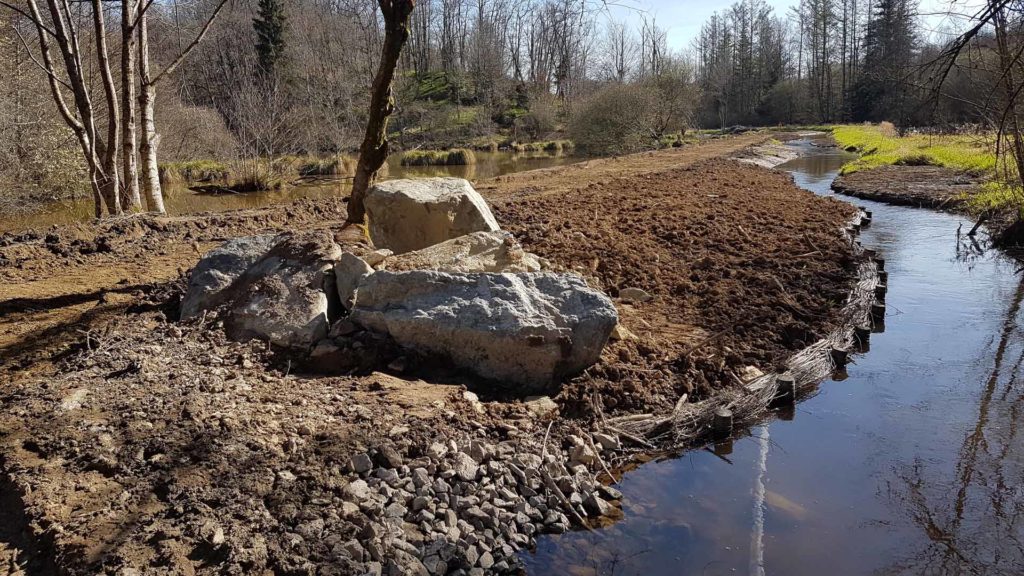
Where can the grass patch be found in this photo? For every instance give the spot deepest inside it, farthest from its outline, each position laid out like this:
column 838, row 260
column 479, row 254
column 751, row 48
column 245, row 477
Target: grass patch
column 338, row 165
column 879, row 145
column 193, row 171
column 996, row 196
column 552, row 146
column 453, row 157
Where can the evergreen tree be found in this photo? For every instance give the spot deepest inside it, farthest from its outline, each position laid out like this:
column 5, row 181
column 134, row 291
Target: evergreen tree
column 881, row 91
column 270, row 26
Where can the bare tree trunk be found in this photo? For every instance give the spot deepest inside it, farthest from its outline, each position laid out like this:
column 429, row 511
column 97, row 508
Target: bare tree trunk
column 150, row 139
column 1011, row 122
column 374, row 150
column 109, row 186
column 129, row 165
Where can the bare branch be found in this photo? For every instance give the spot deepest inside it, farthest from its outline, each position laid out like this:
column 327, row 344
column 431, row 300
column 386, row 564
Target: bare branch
column 195, row 42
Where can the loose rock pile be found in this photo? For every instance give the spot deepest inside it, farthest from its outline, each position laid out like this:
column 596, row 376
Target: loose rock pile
column 467, row 507
column 441, row 280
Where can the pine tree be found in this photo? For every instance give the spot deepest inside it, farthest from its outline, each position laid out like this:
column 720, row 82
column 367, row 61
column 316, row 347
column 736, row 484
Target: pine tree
column 270, row 27
column 881, row 90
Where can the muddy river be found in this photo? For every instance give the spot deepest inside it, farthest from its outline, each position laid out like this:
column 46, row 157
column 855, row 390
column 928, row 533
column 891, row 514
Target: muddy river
column 909, row 463
column 181, row 200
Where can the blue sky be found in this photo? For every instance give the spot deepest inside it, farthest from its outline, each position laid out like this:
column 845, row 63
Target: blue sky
column 683, row 18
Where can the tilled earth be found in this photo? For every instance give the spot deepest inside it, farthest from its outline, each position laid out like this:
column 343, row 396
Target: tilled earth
column 138, row 444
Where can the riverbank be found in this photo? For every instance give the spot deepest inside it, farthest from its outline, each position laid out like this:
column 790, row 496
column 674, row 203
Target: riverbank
column 180, row 451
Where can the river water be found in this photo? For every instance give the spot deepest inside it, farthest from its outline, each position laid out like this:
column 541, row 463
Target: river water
column 181, row 200
column 910, row 463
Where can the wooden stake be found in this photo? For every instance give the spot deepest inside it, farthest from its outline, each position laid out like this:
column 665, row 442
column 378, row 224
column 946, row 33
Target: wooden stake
column 721, row 425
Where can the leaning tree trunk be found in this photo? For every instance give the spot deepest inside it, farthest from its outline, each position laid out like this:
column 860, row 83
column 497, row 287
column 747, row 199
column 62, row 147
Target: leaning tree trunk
column 374, row 150
column 150, row 139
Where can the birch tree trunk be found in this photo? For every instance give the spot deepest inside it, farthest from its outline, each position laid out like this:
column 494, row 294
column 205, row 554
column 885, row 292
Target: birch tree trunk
column 129, row 151
column 150, row 139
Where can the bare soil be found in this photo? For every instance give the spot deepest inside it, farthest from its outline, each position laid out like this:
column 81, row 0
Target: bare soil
column 936, row 188
column 137, row 444
column 918, row 186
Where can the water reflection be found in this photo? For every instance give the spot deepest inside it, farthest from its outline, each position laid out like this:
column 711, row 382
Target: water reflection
column 911, row 465
column 181, row 200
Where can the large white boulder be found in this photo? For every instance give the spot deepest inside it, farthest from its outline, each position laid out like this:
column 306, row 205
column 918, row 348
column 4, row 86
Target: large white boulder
column 525, row 329
column 477, row 252
column 218, row 268
column 406, row 215
column 283, row 296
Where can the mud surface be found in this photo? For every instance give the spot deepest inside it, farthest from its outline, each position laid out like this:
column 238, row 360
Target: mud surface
column 918, row 186
column 137, row 443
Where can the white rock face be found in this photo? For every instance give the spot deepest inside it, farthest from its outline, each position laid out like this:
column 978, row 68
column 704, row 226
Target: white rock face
column 529, row 330
column 349, row 270
column 218, row 268
column 477, row 252
column 407, row 215
column 283, row 296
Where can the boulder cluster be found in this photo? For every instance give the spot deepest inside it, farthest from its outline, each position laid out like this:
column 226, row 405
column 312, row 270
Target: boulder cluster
column 437, row 277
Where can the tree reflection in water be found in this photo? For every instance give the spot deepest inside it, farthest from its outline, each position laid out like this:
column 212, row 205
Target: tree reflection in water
column 973, row 520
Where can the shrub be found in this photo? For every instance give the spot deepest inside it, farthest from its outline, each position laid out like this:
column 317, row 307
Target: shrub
column 490, row 146
column 540, row 120
column 618, row 119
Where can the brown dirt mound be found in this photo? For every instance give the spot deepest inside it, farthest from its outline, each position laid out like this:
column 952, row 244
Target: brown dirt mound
column 744, row 267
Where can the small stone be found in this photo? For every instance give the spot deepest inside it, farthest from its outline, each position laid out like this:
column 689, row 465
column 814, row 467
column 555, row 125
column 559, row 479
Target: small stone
column 486, row 561
column 441, row 487
column 581, row 453
column 355, row 550
column 420, row 477
column 356, row 491
column 348, row 509
column 595, row 506
column 395, row 510
column 541, row 406
column 391, row 457
column 437, row 451
column 474, row 401
column 620, row 332
column 634, row 295
column 361, row 463
column 607, row 441
column 479, row 451
column 377, row 256
column 420, row 503
column 750, row 373
column 472, row 555
column 609, row 492
column 465, row 468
